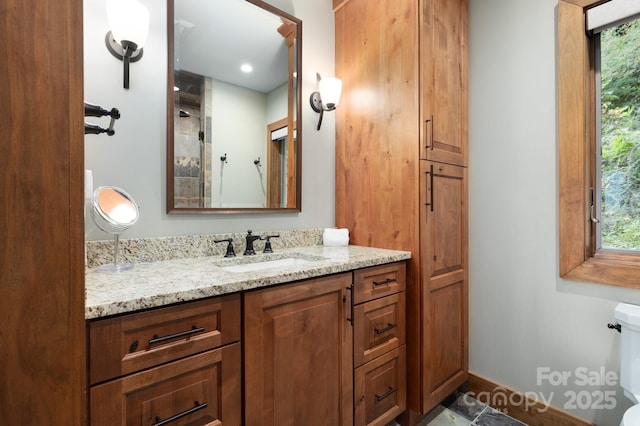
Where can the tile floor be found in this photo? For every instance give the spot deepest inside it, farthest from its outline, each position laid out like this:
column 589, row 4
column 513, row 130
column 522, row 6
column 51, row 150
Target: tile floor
column 462, row 410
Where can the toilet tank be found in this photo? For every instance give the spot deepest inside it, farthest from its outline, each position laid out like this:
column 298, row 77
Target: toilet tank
column 628, row 316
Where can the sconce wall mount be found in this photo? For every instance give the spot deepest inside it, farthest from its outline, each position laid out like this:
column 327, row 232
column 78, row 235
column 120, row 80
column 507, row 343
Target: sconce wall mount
column 129, row 23
column 330, row 90
column 127, row 48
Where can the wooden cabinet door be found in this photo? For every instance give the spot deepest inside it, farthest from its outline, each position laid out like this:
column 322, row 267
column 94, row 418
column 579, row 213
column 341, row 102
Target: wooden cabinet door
column 444, row 80
column 299, row 354
column 445, row 277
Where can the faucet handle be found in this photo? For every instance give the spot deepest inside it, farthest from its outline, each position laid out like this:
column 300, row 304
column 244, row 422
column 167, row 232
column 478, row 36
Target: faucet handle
column 267, row 244
column 230, row 251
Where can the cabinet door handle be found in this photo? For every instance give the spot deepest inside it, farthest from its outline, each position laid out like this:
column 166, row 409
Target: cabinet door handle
column 429, row 143
column 383, row 282
column 386, row 394
column 350, row 290
column 390, row 326
column 194, row 330
column 197, row 407
column 429, row 188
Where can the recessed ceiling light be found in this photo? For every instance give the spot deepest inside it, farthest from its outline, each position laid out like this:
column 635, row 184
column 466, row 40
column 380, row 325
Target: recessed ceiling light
column 246, row 68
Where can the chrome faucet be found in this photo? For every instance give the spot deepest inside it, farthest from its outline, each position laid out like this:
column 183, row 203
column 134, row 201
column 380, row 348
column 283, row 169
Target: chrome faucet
column 249, row 246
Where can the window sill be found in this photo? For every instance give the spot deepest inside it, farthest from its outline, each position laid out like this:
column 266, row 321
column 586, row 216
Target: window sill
column 607, row 270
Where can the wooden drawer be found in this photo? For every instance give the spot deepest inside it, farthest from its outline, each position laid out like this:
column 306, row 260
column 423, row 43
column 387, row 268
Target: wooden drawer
column 379, row 326
column 378, row 281
column 203, row 389
column 130, row 343
column 380, row 389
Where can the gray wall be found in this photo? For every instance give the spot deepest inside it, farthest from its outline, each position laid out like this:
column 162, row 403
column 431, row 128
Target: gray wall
column 134, row 158
column 522, row 316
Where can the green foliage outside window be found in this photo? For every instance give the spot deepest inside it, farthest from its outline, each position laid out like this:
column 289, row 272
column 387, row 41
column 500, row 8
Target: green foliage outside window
column 620, row 109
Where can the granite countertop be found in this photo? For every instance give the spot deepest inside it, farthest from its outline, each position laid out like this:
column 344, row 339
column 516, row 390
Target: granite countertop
column 153, row 284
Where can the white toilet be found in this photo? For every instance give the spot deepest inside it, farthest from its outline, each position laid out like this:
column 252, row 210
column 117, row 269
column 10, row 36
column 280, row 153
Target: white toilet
column 628, row 316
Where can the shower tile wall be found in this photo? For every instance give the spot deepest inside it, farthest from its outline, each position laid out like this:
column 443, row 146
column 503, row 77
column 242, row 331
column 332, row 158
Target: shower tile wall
column 208, row 159
column 187, row 164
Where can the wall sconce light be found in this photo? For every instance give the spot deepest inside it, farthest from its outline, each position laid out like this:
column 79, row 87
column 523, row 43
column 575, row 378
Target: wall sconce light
column 129, row 24
column 327, row 96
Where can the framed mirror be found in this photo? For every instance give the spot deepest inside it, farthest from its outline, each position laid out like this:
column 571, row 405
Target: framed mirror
column 233, row 103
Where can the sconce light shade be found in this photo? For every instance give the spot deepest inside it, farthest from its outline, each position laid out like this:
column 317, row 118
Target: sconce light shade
column 129, row 25
column 330, row 90
column 327, row 98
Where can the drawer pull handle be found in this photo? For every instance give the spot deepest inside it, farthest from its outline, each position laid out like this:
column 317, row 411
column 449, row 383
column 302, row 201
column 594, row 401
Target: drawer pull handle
column 389, row 326
column 386, row 394
column 197, row 407
column 193, row 330
column 384, row 282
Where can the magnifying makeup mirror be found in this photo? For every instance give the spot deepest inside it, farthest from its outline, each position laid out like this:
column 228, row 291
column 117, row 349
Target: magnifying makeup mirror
column 114, row 211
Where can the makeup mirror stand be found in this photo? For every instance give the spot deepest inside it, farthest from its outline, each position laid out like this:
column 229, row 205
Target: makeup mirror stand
column 114, row 211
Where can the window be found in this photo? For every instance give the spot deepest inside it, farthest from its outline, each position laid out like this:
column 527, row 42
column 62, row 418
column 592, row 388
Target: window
column 581, row 255
column 616, row 207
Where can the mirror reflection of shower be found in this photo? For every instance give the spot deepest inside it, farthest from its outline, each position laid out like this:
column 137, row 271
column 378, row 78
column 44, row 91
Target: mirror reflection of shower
column 215, row 162
column 190, row 135
column 224, row 159
column 277, row 163
column 258, row 164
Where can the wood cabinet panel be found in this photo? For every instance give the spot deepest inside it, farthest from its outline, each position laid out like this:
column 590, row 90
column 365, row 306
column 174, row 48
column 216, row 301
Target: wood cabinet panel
column 447, row 360
column 379, row 327
column 444, row 218
column 203, row 389
column 129, row 343
column 445, row 278
column 299, row 353
column 444, row 84
column 380, row 387
column 377, row 122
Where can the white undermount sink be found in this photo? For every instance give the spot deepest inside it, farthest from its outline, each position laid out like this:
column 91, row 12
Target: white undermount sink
column 266, row 264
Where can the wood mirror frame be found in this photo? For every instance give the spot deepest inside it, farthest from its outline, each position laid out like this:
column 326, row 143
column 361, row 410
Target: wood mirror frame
column 275, row 201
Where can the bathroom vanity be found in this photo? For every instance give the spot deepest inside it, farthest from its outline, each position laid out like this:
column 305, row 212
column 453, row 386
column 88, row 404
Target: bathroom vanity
column 294, row 336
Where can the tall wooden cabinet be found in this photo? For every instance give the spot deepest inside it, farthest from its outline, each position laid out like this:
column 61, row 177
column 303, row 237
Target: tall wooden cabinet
column 401, row 176
column 42, row 345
